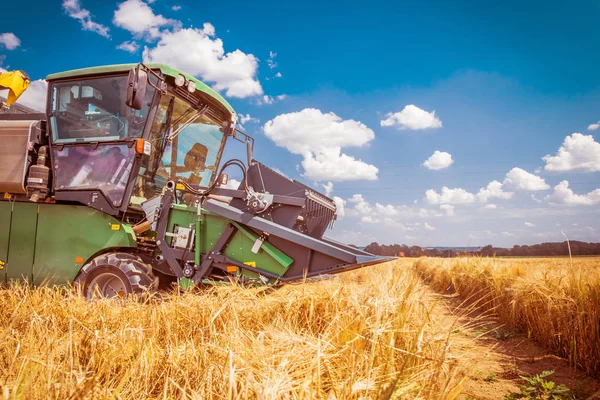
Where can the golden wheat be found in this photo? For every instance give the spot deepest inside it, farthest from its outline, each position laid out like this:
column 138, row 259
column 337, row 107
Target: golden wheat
column 365, row 334
column 558, row 305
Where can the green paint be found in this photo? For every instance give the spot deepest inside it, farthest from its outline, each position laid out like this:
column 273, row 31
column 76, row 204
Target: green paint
column 186, row 284
column 268, row 248
column 165, row 69
column 5, row 217
column 19, row 265
column 67, row 232
column 199, row 223
column 269, row 258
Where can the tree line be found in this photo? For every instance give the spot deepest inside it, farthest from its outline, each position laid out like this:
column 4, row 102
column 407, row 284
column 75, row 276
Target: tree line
column 546, row 249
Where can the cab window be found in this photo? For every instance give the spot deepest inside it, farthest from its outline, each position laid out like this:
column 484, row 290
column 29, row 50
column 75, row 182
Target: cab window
column 92, row 110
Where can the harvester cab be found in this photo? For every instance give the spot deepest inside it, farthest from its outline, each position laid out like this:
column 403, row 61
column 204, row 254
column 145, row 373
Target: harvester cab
column 119, row 187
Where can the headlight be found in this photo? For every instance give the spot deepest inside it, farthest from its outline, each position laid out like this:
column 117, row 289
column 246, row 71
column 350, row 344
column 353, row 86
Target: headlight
column 191, row 87
column 180, row 80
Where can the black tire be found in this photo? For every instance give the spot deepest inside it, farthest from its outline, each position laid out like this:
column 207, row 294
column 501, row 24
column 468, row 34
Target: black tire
column 116, row 275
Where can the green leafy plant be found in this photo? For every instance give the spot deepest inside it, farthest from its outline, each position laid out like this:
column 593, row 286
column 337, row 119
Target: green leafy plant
column 538, row 387
column 491, row 377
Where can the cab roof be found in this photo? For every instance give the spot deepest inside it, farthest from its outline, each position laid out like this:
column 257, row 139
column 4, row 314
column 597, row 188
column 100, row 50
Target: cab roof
column 165, row 69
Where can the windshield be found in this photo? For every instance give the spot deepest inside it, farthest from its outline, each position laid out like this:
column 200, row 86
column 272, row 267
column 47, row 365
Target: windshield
column 92, row 110
column 186, row 145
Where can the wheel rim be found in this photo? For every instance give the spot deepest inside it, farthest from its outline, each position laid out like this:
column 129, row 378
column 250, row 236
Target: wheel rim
column 107, row 285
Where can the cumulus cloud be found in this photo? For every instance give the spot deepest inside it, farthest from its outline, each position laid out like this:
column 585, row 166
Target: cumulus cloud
column 328, row 188
column 529, row 224
column 129, row 46
column 35, row 95
column 593, row 127
column 176, row 8
column 577, row 153
column 267, row 99
column 449, row 196
column 248, row 118
column 490, row 206
column 334, row 165
column 319, row 138
column 562, row 194
column 74, row 10
column 519, row 179
column 439, row 160
column 412, row 118
column 199, row 53
column 9, row 40
column 494, row 189
column 429, row 227
column 340, row 205
column 138, row 18
column 447, row 209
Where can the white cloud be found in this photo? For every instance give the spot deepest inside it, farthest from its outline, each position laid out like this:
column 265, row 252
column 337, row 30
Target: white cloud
column 447, row 209
column 271, row 60
column 519, row 179
column 449, row 196
column 35, row 95
column 138, row 18
column 535, row 198
column 490, row 206
column 328, row 188
column 278, row 75
column 529, row 224
column 319, row 138
column 412, row 118
column 564, row 195
column 9, row 40
column 176, row 8
column 429, row 227
column 439, row 160
column 340, row 205
column 509, row 234
column 493, row 190
column 577, row 153
column 129, row 46
column 593, row 127
column 74, row 10
column 248, row 118
column 267, row 99
column 198, row 53
column 333, row 165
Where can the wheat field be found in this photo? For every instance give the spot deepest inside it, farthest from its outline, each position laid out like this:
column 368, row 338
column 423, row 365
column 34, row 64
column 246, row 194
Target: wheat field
column 554, row 300
column 365, row 334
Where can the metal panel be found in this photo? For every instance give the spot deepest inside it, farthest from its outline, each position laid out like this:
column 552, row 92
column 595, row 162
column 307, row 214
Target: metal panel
column 5, row 217
column 261, row 224
column 268, row 258
column 68, row 236
column 22, row 241
column 14, row 136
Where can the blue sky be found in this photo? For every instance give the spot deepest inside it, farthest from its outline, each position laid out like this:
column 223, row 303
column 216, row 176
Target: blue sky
column 361, row 94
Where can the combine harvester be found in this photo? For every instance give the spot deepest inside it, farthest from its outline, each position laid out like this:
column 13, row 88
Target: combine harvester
column 117, row 187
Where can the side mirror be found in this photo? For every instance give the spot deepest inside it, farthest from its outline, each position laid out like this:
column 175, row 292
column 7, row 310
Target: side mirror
column 136, row 88
column 223, row 179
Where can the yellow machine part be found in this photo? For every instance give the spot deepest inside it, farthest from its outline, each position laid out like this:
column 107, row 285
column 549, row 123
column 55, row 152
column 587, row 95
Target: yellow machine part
column 16, row 82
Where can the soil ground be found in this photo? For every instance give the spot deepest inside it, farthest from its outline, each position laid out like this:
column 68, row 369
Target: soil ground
column 495, row 357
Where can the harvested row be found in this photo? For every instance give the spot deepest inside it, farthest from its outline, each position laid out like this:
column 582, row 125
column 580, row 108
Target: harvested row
column 368, row 333
column 554, row 302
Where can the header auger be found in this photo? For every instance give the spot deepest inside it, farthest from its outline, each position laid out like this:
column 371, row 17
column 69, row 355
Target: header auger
column 118, row 186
